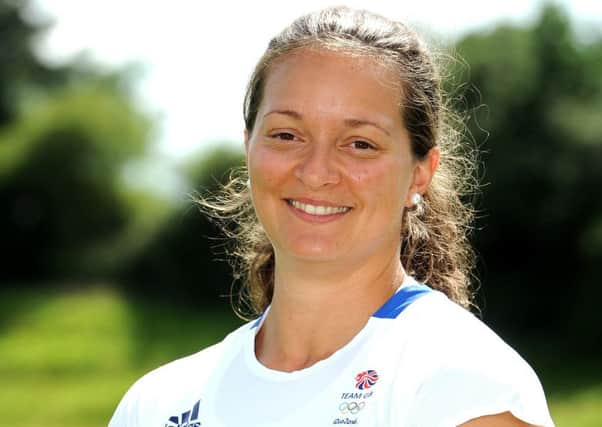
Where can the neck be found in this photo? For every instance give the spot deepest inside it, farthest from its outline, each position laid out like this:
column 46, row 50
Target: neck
column 315, row 312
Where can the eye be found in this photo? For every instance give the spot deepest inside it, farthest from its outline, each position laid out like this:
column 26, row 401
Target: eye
column 285, row 136
column 362, row 145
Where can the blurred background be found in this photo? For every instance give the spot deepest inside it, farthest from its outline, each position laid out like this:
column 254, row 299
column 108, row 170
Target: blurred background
column 113, row 113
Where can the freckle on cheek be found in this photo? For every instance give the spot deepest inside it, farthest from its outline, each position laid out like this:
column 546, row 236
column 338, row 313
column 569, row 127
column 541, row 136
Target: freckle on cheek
column 363, row 177
column 359, row 177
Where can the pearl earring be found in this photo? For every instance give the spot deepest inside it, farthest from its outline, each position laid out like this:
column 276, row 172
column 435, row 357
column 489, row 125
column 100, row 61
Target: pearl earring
column 416, row 199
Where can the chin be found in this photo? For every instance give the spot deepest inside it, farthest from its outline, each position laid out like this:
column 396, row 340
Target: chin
column 313, row 251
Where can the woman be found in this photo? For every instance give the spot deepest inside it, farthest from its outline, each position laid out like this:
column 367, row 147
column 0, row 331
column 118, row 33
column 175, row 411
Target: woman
column 355, row 184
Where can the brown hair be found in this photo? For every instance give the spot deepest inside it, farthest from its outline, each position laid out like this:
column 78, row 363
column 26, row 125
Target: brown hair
column 435, row 247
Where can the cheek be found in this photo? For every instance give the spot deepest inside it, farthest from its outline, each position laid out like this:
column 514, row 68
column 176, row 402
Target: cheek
column 382, row 184
column 266, row 168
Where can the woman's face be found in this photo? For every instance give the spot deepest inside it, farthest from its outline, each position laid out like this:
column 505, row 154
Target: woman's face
column 329, row 159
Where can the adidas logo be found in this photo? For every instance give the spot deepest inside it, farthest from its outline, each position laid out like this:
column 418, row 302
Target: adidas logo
column 187, row 419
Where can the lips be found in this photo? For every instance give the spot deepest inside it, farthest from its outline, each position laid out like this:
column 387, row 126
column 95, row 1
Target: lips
column 317, row 209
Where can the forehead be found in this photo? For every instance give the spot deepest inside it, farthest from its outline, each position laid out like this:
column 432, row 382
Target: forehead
column 332, row 82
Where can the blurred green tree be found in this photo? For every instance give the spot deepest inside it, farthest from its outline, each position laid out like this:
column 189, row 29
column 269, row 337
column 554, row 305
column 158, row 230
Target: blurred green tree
column 60, row 169
column 19, row 67
column 186, row 259
column 538, row 106
column 65, row 136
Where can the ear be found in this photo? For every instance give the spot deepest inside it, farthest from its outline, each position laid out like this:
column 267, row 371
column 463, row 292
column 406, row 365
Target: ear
column 423, row 174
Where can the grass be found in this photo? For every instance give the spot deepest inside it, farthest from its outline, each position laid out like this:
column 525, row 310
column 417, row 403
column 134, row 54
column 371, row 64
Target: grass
column 67, row 357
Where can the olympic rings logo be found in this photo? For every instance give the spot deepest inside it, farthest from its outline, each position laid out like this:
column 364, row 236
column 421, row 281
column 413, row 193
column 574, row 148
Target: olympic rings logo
column 351, row 407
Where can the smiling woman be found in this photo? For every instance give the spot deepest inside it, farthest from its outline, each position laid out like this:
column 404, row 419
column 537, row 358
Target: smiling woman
column 330, row 162
column 352, row 240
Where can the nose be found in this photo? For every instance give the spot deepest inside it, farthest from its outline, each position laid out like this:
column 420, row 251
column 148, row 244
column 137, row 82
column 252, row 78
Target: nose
column 318, row 167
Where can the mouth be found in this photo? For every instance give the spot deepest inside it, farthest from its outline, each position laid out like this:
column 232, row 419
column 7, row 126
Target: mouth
column 318, row 210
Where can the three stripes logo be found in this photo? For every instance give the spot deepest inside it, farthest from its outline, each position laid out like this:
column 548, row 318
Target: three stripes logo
column 187, row 419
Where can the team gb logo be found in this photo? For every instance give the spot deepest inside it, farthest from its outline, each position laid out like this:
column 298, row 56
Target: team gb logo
column 366, row 379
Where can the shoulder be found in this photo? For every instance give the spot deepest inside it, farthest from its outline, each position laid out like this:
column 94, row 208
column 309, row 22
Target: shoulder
column 175, row 372
column 465, row 369
column 172, row 382
column 440, row 327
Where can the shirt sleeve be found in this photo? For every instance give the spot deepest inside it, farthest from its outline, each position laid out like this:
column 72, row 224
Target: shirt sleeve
column 453, row 396
column 468, row 371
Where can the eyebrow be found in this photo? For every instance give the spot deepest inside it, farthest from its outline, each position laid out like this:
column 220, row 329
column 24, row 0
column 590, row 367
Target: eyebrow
column 354, row 123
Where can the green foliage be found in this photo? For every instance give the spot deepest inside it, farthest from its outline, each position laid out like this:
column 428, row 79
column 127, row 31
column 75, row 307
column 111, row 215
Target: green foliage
column 538, row 103
column 213, row 166
column 65, row 135
column 185, row 257
column 60, row 167
column 579, row 409
column 500, row 64
column 19, row 68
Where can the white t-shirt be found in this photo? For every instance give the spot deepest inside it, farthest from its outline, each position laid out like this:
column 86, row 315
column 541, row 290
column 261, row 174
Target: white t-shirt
column 420, row 361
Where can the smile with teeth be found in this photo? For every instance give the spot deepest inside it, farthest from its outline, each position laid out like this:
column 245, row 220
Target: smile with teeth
column 318, row 210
